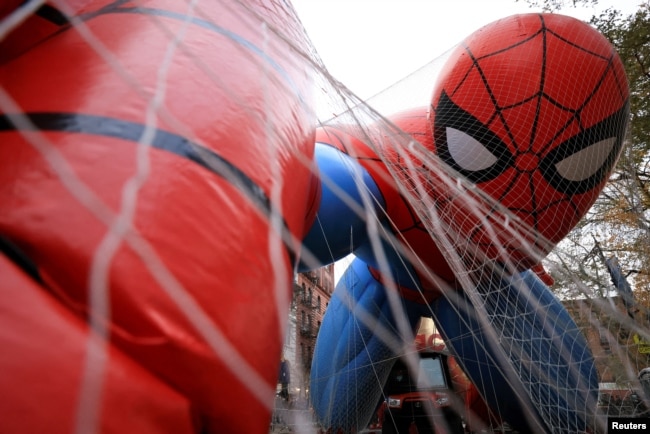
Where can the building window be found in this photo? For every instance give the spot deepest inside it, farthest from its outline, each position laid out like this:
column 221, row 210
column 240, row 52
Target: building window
column 604, row 339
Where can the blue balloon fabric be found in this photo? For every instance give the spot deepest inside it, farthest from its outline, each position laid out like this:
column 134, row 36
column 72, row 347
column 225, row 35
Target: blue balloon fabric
column 539, row 370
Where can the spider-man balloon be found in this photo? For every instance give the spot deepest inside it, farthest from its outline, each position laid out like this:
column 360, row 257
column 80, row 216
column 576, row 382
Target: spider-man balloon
column 532, row 110
column 143, row 216
column 535, row 115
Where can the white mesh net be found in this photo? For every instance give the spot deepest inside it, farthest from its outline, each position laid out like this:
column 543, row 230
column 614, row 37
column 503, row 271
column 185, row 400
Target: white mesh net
column 244, row 242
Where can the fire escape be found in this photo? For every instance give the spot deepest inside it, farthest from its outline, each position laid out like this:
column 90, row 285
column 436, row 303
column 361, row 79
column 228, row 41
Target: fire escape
column 308, row 308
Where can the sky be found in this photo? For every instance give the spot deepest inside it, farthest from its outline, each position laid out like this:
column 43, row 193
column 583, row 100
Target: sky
column 370, row 44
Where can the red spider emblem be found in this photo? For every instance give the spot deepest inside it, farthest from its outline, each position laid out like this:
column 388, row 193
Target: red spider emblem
column 533, row 110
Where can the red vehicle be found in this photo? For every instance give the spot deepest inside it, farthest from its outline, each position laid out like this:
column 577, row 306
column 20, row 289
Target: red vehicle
column 437, row 398
column 424, row 399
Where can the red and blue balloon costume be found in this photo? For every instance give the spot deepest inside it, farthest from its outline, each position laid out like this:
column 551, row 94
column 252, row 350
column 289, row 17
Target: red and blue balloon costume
column 502, row 116
column 156, row 195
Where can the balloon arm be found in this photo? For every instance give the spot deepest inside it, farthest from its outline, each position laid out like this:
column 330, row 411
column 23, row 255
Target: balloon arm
column 347, row 192
column 534, row 323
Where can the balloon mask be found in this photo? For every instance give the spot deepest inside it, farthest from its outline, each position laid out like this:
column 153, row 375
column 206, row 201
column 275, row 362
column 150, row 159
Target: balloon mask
column 532, row 109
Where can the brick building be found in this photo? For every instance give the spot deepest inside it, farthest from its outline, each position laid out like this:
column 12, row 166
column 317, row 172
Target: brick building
column 619, row 352
column 311, row 295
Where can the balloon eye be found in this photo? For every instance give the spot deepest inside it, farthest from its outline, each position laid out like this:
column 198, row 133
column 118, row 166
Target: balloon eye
column 586, row 162
column 467, row 152
column 466, row 145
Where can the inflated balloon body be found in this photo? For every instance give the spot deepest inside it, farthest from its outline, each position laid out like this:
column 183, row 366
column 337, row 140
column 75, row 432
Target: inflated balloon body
column 138, row 155
column 532, row 110
column 153, row 182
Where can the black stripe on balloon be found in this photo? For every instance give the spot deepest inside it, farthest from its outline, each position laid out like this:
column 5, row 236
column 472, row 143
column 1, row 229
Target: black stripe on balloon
column 163, row 140
column 18, row 257
column 52, row 14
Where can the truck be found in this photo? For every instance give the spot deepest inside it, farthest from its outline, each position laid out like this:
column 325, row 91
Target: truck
column 438, row 397
column 425, row 399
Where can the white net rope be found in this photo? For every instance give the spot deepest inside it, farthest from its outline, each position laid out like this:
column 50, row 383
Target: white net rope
column 474, row 232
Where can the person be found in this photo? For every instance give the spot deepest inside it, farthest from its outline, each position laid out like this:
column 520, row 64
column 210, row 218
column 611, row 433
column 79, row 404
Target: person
column 284, row 378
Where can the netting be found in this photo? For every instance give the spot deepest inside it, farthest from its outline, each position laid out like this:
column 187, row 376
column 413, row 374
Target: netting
column 159, row 177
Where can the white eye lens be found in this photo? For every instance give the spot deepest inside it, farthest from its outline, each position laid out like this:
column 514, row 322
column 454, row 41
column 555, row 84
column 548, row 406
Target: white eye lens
column 467, row 152
column 586, row 162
